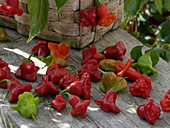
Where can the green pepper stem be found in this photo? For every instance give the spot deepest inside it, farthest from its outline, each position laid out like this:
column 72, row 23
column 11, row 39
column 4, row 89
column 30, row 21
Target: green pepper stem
column 10, row 38
column 98, row 2
column 101, row 52
column 71, row 41
column 71, row 65
column 114, row 87
column 33, row 117
column 29, row 58
column 4, row 80
column 68, row 94
column 73, row 70
column 64, row 91
column 104, row 73
column 44, row 102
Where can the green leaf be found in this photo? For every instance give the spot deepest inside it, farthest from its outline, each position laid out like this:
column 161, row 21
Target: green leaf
column 59, row 4
column 159, row 5
column 136, row 52
column 167, row 4
column 165, row 30
column 38, row 10
column 154, row 56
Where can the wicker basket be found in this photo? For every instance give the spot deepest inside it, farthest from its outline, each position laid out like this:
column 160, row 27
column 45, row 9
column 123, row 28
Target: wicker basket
column 65, row 25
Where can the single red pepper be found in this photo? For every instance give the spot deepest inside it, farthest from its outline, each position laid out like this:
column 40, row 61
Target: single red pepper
column 67, row 79
column 27, row 70
column 4, row 73
column 115, row 52
column 55, row 73
column 79, row 107
column 91, row 66
column 80, row 87
column 16, row 88
column 108, row 102
column 141, row 87
column 165, row 101
column 40, row 49
column 46, row 87
column 91, row 53
column 59, row 102
column 13, row 3
column 130, row 73
column 149, row 111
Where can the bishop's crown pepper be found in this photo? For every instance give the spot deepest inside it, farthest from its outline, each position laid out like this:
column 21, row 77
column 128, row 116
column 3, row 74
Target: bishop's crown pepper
column 40, row 49
column 59, row 102
column 46, row 87
column 4, row 73
column 91, row 67
column 115, row 52
column 108, row 102
column 165, row 101
column 55, row 73
column 27, row 70
column 91, row 53
column 27, row 105
column 141, row 87
column 144, row 64
column 108, row 65
column 149, row 111
column 80, row 87
column 111, row 81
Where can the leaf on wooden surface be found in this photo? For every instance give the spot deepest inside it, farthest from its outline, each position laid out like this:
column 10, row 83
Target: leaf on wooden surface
column 59, row 4
column 136, row 52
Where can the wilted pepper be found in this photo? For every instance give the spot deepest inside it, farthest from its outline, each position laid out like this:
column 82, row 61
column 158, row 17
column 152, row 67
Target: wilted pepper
column 79, row 107
column 5, row 36
column 16, row 88
column 108, row 65
column 91, row 53
column 80, row 87
column 144, row 64
column 108, row 102
column 141, row 87
column 67, row 79
column 115, row 52
column 91, row 66
column 149, row 111
column 111, row 81
column 27, row 105
column 4, row 73
column 55, row 73
column 46, row 87
column 27, row 70
column 165, row 101
column 59, row 102
column 40, row 49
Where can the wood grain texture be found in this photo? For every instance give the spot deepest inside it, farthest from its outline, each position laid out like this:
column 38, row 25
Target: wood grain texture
column 14, row 51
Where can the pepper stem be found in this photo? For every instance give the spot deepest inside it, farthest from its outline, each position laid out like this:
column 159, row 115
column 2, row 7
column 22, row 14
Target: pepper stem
column 10, row 38
column 44, row 102
column 71, row 65
column 28, row 59
column 33, row 117
column 64, row 91
column 104, row 73
column 101, row 52
column 73, row 70
column 68, row 94
column 4, row 80
column 114, row 87
column 71, row 41
column 127, row 66
column 98, row 2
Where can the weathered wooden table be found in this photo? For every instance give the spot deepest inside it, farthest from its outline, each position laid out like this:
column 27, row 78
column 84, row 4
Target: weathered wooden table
column 14, row 51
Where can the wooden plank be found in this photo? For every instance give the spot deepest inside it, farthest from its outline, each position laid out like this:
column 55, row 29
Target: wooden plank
column 14, row 51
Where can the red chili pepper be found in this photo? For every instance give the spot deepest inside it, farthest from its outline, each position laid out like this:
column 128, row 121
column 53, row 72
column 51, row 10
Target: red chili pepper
column 115, row 52
column 55, row 73
column 8, row 10
column 91, row 66
column 141, row 87
column 46, row 87
column 67, row 79
column 165, row 101
column 79, row 107
column 80, row 87
column 88, row 18
column 102, row 9
column 131, row 73
column 59, row 102
column 16, row 88
column 108, row 102
column 127, row 66
column 91, row 53
column 27, row 70
column 13, row 3
column 40, row 49
column 4, row 73
column 149, row 111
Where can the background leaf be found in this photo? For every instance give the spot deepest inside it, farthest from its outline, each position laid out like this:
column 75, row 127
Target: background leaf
column 159, row 5
column 38, row 10
column 165, row 31
column 59, row 4
column 136, row 52
column 166, row 4
column 154, row 56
